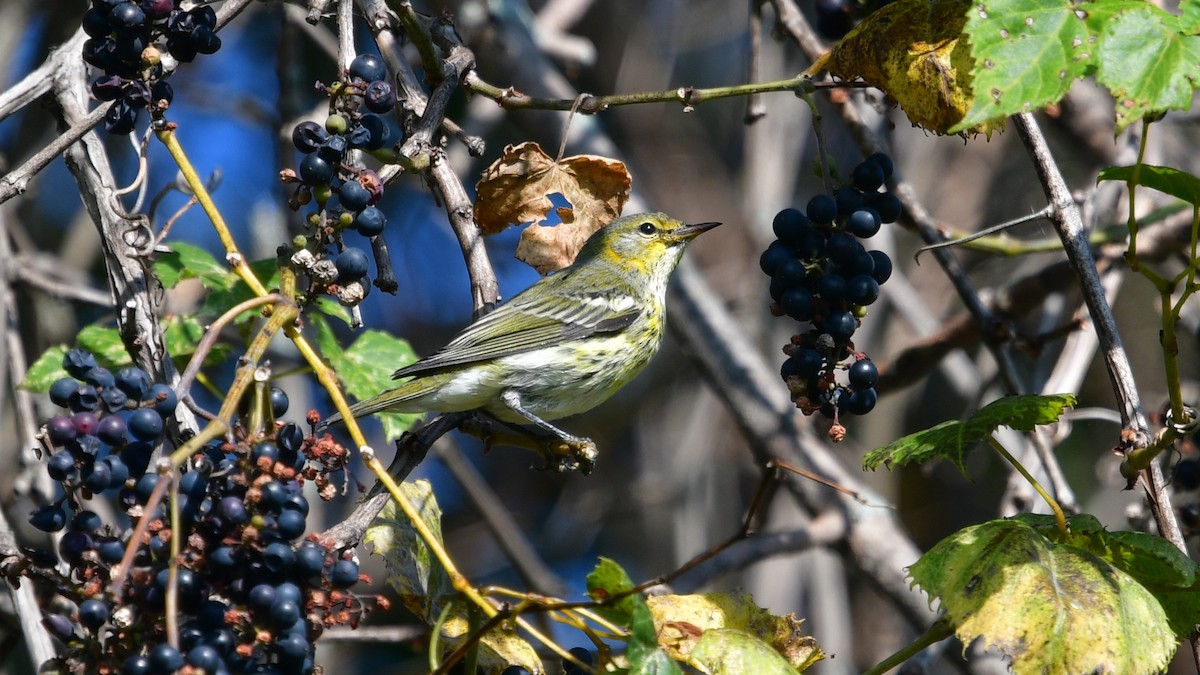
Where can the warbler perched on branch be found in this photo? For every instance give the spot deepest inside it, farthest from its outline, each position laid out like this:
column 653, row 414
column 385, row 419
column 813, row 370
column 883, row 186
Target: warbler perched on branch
column 562, row 346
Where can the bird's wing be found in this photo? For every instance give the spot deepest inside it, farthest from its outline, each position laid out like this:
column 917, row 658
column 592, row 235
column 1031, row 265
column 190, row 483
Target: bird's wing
column 532, row 321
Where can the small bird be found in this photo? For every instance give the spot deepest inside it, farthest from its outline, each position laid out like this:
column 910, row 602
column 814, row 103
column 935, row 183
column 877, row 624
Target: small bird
column 561, row 347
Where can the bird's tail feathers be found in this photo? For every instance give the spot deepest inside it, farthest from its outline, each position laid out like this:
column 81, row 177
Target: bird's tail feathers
column 392, row 400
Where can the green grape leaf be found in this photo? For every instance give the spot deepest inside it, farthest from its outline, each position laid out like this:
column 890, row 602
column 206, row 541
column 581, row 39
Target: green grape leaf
column 728, row 651
column 1189, row 17
column 1179, row 184
column 332, row 308
column 425, row 589
column 105, row 344
column 366, row 367
column 680, row 621
column 913, row 51
column 181, row 335
column 222, row 299
column 1051, row 607
column 185, row 261
column 608, row 580
column 1026, row 55
column 1147, row 63
column 45, row 371
column 953, row 439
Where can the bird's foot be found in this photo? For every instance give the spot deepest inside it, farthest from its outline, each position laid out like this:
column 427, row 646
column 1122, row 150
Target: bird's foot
column 569, row 454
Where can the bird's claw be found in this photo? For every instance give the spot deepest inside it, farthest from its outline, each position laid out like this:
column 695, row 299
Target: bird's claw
column 574, row 454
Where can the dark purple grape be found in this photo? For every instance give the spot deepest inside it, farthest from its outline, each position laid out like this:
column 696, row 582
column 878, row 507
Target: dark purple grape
column 315, row 171
column 343, row 574
column 883, row 267
column 100, row 52
column 790, row 226
column 296, row 502
column 379, row 97
column 777, row 288
column 863, row 223
column 310, row 560
column 164, row 658
column 111, row 550
column 333, row 149
column 887, row 205
column 354, row 196
column 861, row 401
column 265, row 449
column 62, row 390
column 370, row 222
column 162, row 92
column 99, row 377
column 60, row 465
column 583, row 655
column 129, row 49
column 775, row 255
column 86, row 399
column 189, row 637
column 95, row 23
column 100, row 479
column 120, row 118
column 232, row 510
column 206, row 658
column 279, row 557
column 137, row 664
column 841, row 248
column 351, row 265
column 514, row 670
column 93, row 613
column 368, row 67
column 867, row 176
column 840, row 325
column 378, row 131
column 49, row 518
column 60, row 429
column 204, row 15
column 791, row 273
column 279, row 402
column 182, row 48
column 145, row 486
column 284, row 614
column 797, row 303
column 59, row 626
column 145, row 424
column 863, row 374
column 290, row 438
column 133, row 381
column 261, row 597
column 292, row 648
column 289, row 591
column 86, row 521
column 307, row 136
column 77, row 362
column 808, row 362
column 126, row 17
column 832, row 289
column 118, row 469
column 193, row 485
column 290, row 523
column 164, row 398
column 223, row 558
column 822, row 209
column 883, row 162
column 274, row 495
column 112, row 430
column 113, row 399
column 205, row 39
column 848, row 201
column 862, row 290
column 73, row 545
column 109, row 87
column 157, row 9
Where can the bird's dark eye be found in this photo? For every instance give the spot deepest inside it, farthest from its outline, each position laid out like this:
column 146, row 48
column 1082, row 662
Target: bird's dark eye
column 647, row 228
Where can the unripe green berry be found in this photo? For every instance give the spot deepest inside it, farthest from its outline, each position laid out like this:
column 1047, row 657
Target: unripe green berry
column 336, row 124
column 322, row 193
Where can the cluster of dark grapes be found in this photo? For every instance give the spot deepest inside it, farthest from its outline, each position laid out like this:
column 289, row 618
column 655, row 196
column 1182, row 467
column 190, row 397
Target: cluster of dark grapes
column 821, row 275
column 251, row 593
column 127, row 39
column 345, row 196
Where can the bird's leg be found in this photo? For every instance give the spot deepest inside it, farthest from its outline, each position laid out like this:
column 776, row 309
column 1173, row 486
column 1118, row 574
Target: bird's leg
column 574, row 452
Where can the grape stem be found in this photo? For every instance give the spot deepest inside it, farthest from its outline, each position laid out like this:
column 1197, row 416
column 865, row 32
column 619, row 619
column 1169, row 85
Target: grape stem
column 940, row 630
column 1059, row 516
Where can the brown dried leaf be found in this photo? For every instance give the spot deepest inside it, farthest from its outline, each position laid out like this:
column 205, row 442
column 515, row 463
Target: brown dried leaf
column 516, row 189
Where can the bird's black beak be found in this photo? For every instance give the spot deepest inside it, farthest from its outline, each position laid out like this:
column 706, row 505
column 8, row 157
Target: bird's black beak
column 691, row 231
